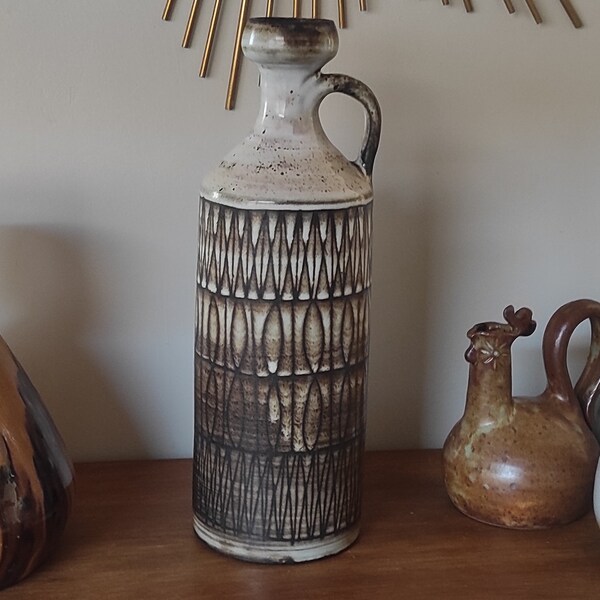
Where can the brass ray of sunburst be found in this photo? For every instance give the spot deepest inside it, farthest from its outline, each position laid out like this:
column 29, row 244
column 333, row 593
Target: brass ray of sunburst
column 245, row 7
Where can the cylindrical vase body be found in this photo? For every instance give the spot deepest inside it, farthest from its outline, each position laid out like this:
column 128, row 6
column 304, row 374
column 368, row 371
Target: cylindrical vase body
column 282, row 338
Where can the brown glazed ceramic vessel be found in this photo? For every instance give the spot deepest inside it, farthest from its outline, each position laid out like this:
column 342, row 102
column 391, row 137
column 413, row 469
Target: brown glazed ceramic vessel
column 523, row 463
column 587, row 388
column 36, row 477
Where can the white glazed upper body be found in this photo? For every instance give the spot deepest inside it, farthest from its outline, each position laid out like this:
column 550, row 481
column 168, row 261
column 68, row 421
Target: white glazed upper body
column 288, row 160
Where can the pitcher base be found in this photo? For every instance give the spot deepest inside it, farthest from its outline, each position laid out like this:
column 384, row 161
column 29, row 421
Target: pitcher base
column 275, row 552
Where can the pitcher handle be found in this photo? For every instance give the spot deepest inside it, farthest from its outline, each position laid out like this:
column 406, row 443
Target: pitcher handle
column 555, row 345
column 344, row 84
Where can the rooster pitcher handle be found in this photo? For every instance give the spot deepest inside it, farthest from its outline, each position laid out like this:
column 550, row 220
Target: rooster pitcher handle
column 555, row 345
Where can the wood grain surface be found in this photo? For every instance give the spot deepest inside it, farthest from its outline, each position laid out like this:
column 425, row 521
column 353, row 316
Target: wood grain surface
column 131, row 537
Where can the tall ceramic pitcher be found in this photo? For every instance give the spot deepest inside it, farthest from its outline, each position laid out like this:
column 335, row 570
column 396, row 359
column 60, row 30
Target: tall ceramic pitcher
column 284, row 273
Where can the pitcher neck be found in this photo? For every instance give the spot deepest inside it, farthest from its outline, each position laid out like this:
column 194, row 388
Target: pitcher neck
column 489, row 394
column 290, row 54
column 289, row 100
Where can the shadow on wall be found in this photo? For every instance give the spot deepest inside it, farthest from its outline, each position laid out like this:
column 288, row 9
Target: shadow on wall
column 47, row 311
column 398, row 322
column 404, row 217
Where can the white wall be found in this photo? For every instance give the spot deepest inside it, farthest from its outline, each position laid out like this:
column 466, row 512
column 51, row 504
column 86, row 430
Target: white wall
column 487, row 189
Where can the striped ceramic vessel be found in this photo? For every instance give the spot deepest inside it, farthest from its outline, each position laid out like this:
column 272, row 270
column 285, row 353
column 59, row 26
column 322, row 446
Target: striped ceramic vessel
column 282, row 338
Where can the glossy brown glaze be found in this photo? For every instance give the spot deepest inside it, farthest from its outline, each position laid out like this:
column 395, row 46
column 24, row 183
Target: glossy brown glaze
column 587, row 388
column 520, row 462
column 36, row 477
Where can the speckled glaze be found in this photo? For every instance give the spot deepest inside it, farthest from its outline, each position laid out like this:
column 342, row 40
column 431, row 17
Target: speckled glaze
column 283, row 288
column 587, row 388
column 522, row 463
column 288, row 160
column 36, row 476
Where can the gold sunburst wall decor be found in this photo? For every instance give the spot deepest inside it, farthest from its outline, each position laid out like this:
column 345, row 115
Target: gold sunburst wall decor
column 533, row 9
column 295, row 8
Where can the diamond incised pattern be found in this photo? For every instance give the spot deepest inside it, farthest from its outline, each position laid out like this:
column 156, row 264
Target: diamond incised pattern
column 281, row 366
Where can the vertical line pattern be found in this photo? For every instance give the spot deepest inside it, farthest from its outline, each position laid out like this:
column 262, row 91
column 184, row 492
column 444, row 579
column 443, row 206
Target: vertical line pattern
column 280, row 422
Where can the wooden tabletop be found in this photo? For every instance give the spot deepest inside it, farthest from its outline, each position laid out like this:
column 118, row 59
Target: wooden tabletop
column 131, row 537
